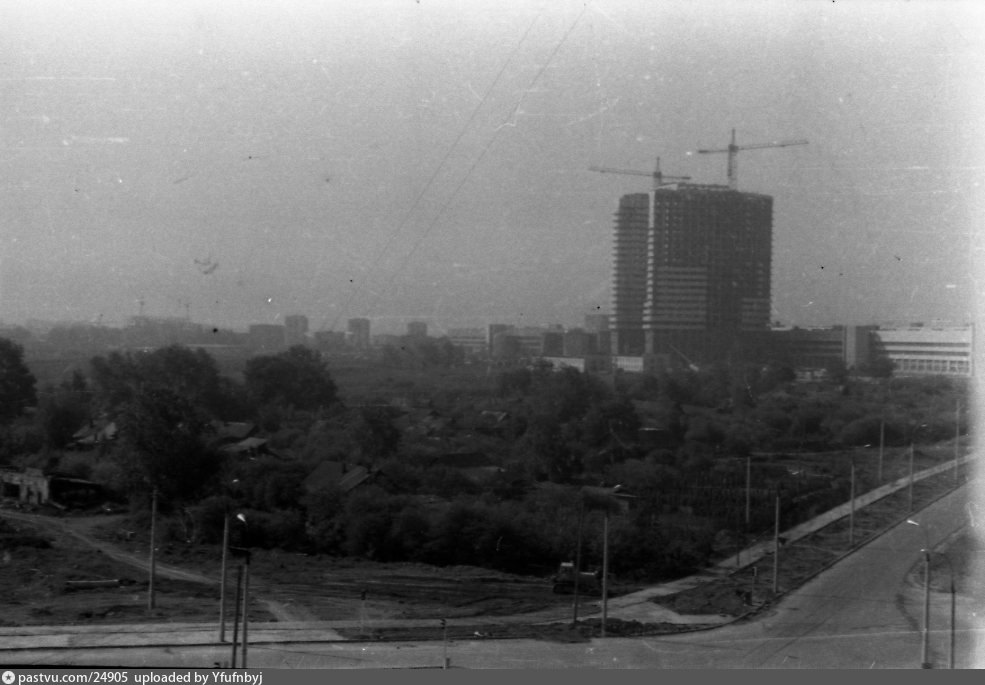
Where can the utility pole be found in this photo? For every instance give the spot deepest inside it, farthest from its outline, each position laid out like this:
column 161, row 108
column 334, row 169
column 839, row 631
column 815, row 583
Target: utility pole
column 748, row 490
column 446, row 662
column 581, row 523
column 910, row 506
column 362, row 611
column 246, row 603
column 882, row 442
column 851, row 515
column 776, row 545
column 605, row 569
column 153, row 550
column 957, row 438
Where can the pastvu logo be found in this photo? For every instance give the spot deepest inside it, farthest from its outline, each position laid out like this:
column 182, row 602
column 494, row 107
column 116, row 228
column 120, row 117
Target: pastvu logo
column 8, row 677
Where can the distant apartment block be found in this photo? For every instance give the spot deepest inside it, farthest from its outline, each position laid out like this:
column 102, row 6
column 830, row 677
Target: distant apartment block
column 578, row 343
column 358, row 333
column 387, row 339
column 417, row 329
column 329, row 341
column 505, row 346
column 295, row 330
column 589, row 364
column 494, row 329
column 596, row 323
column 553, row 344
column 530, row 340
column 153, row 331
column 266, row 338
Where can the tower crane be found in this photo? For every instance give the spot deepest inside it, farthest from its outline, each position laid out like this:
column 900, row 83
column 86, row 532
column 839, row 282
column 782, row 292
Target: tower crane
column 656, row 175
column 733, row 149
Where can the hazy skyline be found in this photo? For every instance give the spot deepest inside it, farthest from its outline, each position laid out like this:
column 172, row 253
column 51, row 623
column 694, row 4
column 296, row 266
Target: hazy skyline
column 424, row 159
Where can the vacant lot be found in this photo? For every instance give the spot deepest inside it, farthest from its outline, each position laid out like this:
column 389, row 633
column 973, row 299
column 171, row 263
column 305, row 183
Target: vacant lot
column 43, row 557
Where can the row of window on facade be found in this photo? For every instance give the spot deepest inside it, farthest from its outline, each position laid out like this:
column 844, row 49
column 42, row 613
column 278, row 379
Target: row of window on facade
column 932, row 366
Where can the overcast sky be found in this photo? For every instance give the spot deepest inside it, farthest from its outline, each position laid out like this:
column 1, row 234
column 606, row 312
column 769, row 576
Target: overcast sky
column 242, row 161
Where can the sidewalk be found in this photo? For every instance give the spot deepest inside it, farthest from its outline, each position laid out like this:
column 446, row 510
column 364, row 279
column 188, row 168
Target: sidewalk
column 638, row 606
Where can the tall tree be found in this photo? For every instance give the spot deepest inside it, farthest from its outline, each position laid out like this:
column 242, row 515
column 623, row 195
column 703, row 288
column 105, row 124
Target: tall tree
column 165, row 444
column 17, row 383
column 61, row 411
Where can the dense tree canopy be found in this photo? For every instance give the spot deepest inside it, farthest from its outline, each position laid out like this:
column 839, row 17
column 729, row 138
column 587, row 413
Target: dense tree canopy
column 61, row 412
column 165, row 444
column 192, row 374
column 17, row 383
column 297, row 377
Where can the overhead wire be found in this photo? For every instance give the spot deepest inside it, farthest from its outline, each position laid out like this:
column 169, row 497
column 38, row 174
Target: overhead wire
column 441, row 165
column 481, row 155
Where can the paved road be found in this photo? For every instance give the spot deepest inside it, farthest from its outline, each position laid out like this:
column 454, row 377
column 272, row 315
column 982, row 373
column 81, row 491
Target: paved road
column 866, row 612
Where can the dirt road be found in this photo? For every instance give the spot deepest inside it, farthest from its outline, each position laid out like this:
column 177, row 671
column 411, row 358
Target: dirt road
column 80, row 528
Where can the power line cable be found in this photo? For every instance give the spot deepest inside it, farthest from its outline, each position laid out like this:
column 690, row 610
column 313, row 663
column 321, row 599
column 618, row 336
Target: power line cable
column 481, row 155
column 427, row 186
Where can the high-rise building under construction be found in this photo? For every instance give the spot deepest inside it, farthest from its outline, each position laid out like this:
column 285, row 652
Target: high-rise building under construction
column 691, row 271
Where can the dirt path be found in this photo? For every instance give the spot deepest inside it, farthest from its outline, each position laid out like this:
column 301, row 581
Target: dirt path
column 73, row 528
column 79, row 528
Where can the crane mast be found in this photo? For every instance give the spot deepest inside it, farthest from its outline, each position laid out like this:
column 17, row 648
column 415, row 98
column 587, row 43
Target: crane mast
column 732, row 151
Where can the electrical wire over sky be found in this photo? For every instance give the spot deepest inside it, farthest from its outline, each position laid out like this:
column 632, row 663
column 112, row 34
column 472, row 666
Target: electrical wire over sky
column 465, row 177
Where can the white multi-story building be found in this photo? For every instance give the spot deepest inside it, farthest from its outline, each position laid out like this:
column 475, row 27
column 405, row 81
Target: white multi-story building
column 926, row 350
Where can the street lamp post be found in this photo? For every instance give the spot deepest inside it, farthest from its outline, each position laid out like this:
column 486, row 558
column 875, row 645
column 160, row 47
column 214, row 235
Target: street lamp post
column 953, row 607
column 242, row 585
column 924, row 660
column 606, row 499
column 236, row 606
column 222, row 578
column 581, row 524
column 246, row 603
column 223, row 573
column 925, row 634
column 950, row 650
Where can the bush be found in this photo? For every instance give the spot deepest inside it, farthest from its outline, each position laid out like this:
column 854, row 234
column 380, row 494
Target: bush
column 281, row 529
column 863, row 431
